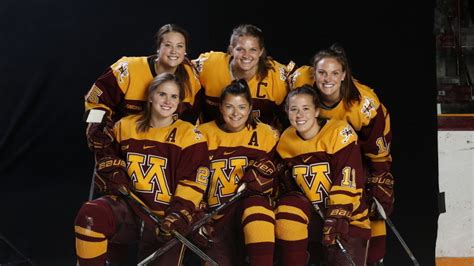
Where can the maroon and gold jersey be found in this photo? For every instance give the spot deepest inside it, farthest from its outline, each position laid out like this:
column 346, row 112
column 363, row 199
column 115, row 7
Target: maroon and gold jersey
column 230, row 154
column 122, row 89
column 164, row 164
column 328, row 169
column 268, row 94
column 369, row 118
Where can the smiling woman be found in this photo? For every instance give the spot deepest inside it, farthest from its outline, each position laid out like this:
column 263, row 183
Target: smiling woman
column 238, row 144
column 345, row 98
column 121, row 90
column 247, row 59
column 153, row 158
column 323, row 168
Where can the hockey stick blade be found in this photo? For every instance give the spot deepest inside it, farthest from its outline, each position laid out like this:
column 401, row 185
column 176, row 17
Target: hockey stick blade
column 175, row 233
column 198, row 224
column 395, row 231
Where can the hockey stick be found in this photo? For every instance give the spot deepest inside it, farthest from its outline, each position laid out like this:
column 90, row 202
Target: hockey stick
column 343, row 249
column 174, row 233
column 198, row 224
column 4, row 239
column 92, row 187
column 382, row 213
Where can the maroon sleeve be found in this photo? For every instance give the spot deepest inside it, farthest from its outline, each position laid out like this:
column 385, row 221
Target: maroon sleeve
column 376, row 139
column 192, row 174
column 348, row 179
column 105, row 94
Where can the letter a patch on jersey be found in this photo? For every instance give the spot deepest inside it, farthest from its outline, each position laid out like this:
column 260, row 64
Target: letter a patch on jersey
column 172, row 136
column 253, row 140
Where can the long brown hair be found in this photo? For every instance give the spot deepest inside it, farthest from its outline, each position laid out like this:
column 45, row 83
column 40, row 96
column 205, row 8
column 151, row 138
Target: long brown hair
column 143, row 122
column 180, row 72
column 350, row 94
column 250, row 30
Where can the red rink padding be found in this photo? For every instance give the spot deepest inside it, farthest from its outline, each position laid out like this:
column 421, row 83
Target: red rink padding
column 456, row 122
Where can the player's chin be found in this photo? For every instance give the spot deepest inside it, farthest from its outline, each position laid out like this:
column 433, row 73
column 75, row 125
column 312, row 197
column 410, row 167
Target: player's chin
column 174, row 63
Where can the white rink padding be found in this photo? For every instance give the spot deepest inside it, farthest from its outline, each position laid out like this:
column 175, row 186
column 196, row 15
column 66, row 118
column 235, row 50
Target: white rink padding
column 456, row 179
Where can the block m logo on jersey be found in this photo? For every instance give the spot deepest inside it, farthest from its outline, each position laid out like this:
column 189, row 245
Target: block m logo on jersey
column 314, row 180
column 225, row 174
column 148, row 175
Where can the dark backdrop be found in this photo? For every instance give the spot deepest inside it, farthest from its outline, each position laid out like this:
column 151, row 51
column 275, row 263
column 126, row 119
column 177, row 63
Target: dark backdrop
column 52, row 51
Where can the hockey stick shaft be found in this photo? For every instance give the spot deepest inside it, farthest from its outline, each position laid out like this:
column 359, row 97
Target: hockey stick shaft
column 92, row 186
column 404, row 244
column 2, row 238
column 195, row 227
column 382, row 213
column 174, row 233
column 338, row 242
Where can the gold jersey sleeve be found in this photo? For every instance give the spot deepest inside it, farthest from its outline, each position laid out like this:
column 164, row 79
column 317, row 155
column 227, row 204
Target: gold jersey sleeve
column 371, row 120
column 213, row 72
column 141, row 76
column 301, row 76
column 360, row 113
column 116, row 84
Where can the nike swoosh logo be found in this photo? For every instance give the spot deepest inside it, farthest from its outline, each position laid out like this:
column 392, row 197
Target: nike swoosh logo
column 307, row 159
column 228, row 152
column 148, row 146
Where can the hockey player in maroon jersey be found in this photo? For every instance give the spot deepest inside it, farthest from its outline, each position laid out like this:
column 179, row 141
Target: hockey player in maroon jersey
column 156, row 157
column 121, row 89
column 347, row 99
column 323, row 165
column 241, row 150
column 247, row 59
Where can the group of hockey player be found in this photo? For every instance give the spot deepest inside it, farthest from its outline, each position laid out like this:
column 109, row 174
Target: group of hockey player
column 309, row 145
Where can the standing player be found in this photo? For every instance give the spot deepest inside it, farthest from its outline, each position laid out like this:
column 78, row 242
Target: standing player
column 122, row 89
column 346, row 99
column 247, row 59
column 324, row 167
column 156, row 158
column 241, row 150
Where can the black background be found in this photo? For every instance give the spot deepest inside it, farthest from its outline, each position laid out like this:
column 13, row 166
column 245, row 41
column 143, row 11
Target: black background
column 52, row 51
